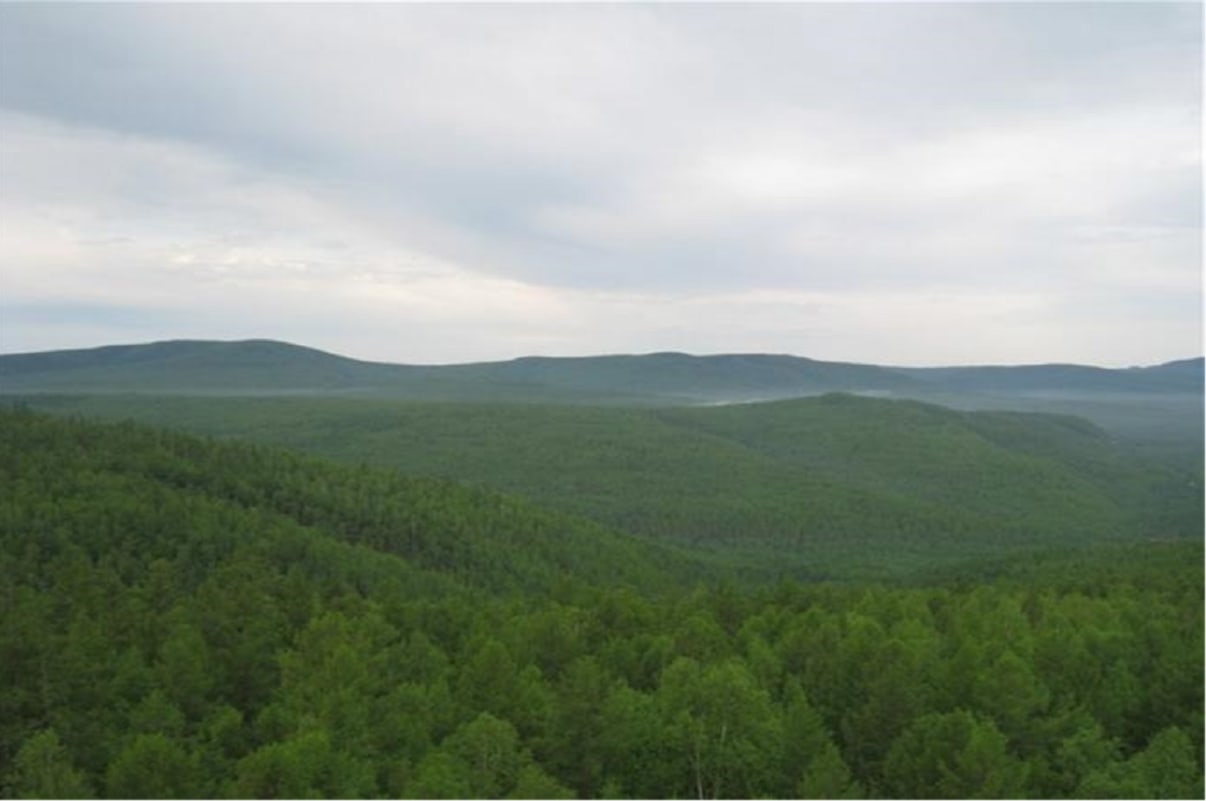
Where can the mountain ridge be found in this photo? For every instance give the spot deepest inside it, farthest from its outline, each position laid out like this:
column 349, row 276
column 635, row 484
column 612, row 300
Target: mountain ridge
column 1193, row 362
column 254, row 352
column 1156, row 403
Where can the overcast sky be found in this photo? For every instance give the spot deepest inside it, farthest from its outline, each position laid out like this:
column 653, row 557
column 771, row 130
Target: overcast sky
column 889, row 183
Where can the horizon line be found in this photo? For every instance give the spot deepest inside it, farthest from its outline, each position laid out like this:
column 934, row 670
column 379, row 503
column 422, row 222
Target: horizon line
column 646, row 354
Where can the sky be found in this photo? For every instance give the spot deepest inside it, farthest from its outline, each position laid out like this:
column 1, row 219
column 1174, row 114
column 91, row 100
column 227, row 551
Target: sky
column 910, row 184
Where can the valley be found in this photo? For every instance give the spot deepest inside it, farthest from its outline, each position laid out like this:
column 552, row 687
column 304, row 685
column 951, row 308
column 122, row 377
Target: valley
column 243, row 584
column 830, row 486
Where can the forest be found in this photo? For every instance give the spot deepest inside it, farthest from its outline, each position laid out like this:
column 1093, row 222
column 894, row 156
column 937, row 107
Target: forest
column 188, row 617
column 833, row 487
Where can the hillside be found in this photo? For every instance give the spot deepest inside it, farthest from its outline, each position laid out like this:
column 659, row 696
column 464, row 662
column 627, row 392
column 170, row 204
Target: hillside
column 255, row 366
column 263, row 366
column 835, row 485
column 193, row 366
column 1180, row 376
column 441, row 529
column 1162, row 403
column 189, row 619
column 683, row 377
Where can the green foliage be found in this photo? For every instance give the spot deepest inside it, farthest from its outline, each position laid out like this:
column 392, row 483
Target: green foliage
column 440, row 775
column 488, row 750
column 533, row 782
column 832, row 486
column 1168, row 767
column 827, row 776
column 952, row 755
column 1163, row 399
column 186, row 618
column 42, row 768
column 305, row 766
column 152, row 766
column 721, row 727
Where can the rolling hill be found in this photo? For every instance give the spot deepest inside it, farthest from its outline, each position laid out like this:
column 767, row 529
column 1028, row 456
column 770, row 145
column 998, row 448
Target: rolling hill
column 1185, row 375
column 258, row 366
column 264, row 366
column 835, row 485
column 192, row 619
column 436, row 528
column 196, row 366
column 1162, row 402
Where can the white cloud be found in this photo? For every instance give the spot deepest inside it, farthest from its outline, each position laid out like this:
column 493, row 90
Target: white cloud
column 480, row 182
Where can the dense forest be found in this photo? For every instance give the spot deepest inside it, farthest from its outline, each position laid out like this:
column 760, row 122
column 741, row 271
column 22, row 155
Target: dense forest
column 191, row 618
column 835, row 486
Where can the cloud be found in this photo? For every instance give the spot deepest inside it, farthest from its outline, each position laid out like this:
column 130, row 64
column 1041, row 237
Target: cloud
column 512, row 179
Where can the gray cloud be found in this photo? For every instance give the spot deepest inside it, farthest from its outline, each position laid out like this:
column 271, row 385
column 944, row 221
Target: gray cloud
column 587, row 178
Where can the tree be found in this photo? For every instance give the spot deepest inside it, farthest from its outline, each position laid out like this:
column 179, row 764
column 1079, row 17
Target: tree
column 827, row 776
column 489, row 680
column 533, row 782
column 574, row 750
column 305, row 766
column 889, row 694
column 724, row 728
column 952, row 755
column 335, row 678
column 1083, row 749
column 489, row 750
column 43, row 769
column 812, row 766
column 1166, row 768
column 185, row 668
column 638, row 761
column 157, row 714
column 152, row 766
column 440, row 775
column 221, row 739
column 1012, row 695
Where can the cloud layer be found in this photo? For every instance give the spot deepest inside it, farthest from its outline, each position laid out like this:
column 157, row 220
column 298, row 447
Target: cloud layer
column 912, row 184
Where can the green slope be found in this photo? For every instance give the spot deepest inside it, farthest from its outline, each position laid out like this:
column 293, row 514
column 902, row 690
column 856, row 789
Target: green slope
column 1037, row 468
column 192, row 366
column 835, row 485
column 189, row 619
column 1185, row 375
column 686, row 378
column 256, row 366
column 267, row 367
column 442, row 531
column 1160, row 404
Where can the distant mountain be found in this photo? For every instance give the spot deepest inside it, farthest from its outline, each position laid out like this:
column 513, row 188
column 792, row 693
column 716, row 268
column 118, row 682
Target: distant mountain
column 190, row 365
column 1195, row 367
column 1180, row 376
column 258, row 367
column 269, row 367
column 681, row 376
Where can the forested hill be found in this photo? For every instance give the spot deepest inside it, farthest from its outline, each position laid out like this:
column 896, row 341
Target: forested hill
column 184, row 619
column 187, row 365
column 264, row 366
column 834, row 486
column 177, row 497
column 1185, row 375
